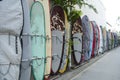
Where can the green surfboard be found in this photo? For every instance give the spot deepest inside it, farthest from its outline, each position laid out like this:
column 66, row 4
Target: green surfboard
column 38, row 40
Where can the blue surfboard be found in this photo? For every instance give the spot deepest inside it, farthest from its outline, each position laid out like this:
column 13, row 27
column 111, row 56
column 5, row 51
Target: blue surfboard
column 86, row 37
column 38, row 40
column 26, row 44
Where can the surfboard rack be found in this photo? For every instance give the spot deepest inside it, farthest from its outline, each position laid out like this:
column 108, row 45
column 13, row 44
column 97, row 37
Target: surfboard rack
column 33, row 35
column 47, row 38
column 32, row 59
column 25, row 60
column 36, row 58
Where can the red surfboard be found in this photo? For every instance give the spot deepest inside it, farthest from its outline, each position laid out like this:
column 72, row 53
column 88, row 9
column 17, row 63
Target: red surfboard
column 94, row 40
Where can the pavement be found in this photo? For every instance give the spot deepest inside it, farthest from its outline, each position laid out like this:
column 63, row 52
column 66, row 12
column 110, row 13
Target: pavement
column 106, row 68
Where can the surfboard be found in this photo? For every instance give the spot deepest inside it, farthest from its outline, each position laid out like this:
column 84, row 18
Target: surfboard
column 10, row 47
column 95, row 39
column 86, row 36
column 38, row 40
column 45, row 4
column 91, row 40
column 77, row 40
column 116, row 40
column 105, row 38
column 107, row 41
column 66, row 46
column 112, row 39
column 58, row 31
column 101, row 40
column 98, row 39
column 25, row 72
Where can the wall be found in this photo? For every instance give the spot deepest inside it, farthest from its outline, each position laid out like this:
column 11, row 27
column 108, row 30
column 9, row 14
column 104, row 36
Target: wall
column 100, row 16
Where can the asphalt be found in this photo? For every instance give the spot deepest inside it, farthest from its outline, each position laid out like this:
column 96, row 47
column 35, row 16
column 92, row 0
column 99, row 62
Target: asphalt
column 103, row 67
column 106, row 68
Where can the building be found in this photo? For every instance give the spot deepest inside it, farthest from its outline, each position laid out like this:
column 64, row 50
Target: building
column 99, row 17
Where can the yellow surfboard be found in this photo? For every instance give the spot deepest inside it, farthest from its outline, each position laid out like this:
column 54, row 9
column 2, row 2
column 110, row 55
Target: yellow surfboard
column 66, row 46
column 104, row 38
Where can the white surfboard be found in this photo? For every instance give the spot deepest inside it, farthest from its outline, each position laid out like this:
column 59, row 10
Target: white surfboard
column 25, row 72
column 11, row 23
column 101, row 40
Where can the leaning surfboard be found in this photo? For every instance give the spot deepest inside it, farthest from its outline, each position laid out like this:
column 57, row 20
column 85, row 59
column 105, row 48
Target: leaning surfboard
column 57, row 29
column 86, row 36
column 94, row 40
column 45, row 4
column 112, row 39
column 11, row 22
column 66, row 46
column 109, row 39
column 25, row 72
column 38, row 39
column 98, row 39
column 101, row 41
column 116, row 40
column 114, row 35
column 105, row 38
column 77, row 40
column 102, row 38
column 91, row 40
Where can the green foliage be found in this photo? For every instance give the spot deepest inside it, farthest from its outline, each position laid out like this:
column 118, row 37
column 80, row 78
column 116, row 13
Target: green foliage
column 68, row 6
column 70, row 43
column 73, row 15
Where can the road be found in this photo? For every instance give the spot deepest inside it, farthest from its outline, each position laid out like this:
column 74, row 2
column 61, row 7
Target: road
column 106, row 68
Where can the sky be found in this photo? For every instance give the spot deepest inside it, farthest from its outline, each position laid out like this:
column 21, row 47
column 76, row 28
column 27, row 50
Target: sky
column 112, row 12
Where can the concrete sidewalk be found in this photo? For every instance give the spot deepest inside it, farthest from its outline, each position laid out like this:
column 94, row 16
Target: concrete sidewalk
column 106, row 68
